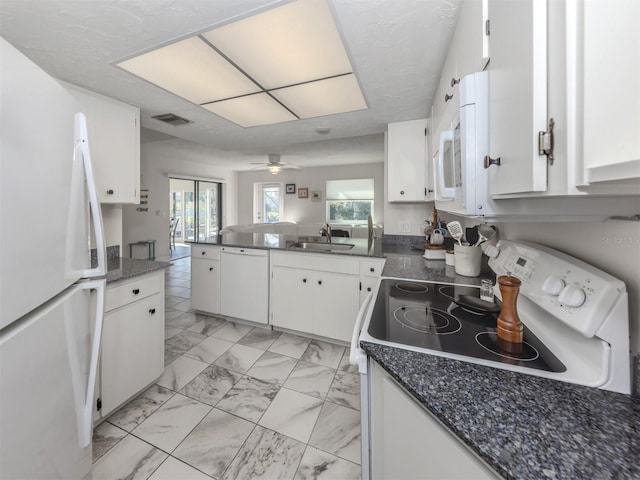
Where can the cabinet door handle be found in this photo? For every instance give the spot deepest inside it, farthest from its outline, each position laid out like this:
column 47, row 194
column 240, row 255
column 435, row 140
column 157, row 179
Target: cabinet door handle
column 110, row 192
column 401, row 192
column 211, row 269
column 152, row 311
column 372, row 269
column 319, row 282
column 454, row 82
column 136, row 291
column 304, row 280
column 368, row 289
column 488, row 161
column 204, row 253
column 447, row 97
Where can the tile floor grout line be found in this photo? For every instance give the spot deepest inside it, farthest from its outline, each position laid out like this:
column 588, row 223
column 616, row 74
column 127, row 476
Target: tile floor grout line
column 179, row 276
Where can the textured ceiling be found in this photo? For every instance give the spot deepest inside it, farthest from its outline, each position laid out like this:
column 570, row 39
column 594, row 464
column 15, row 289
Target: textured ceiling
column 397, row 48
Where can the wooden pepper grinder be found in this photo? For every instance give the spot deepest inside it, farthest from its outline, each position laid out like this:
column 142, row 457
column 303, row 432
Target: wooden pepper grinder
column 509, row 324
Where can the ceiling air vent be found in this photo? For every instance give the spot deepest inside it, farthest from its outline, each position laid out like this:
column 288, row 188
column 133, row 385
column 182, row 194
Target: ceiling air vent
column 171, row 119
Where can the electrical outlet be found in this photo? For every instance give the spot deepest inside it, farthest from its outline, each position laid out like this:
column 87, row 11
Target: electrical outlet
column 404, row 227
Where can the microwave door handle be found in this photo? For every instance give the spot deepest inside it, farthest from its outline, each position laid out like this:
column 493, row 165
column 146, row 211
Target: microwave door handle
column 446, row 193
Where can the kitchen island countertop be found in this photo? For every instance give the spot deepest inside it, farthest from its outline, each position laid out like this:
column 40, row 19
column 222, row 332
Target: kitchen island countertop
column 272, row 241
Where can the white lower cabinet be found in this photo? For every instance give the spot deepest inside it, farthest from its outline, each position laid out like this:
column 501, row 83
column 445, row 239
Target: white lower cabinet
column 321, row 303
column 205, row 278
column 317, row 294
column 408, row 442
column 132, row 339
column 291, row 298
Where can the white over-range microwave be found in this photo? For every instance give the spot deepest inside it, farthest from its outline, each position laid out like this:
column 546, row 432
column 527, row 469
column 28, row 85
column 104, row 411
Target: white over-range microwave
column 462, row 181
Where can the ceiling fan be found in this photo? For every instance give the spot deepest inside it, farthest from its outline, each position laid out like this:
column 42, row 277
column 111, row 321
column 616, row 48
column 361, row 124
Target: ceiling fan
column 274, row 165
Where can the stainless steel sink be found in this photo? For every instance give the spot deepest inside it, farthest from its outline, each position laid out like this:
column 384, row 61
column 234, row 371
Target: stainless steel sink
column 321, row 246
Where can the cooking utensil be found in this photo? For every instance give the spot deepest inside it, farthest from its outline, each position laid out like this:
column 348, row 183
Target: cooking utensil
column 485, row 233
column 471, row 234
column 476, row 305
column 455, row 229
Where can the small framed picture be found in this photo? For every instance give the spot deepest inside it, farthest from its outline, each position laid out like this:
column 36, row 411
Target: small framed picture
column 291, row 188
column 316, row 195
column 303, row 193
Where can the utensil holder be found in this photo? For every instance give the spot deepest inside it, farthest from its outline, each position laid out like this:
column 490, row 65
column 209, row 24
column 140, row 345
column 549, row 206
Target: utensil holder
column 468, row 260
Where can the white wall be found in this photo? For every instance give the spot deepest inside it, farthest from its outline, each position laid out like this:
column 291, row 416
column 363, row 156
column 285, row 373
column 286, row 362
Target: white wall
column 112, row 220
column 314, row 178
column 159, row 159
column 612, row 246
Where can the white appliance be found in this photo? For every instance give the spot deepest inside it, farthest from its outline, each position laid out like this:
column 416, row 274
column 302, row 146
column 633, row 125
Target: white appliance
column 575, row 316
column 244, row 270
column 51, row 306
column 461, row 180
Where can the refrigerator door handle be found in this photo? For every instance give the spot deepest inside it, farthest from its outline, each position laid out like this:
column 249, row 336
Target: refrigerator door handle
column 87, row 412
column 82, row 146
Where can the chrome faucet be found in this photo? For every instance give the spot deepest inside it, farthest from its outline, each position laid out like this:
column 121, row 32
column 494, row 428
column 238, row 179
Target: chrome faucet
column 326, row 231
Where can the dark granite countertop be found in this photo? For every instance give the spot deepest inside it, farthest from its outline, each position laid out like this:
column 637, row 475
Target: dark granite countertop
column 122, row 268
column 273, row 241
column 525, row 427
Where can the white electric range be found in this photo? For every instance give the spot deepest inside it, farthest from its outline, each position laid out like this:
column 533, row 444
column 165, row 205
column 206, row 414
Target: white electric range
column 575, row 317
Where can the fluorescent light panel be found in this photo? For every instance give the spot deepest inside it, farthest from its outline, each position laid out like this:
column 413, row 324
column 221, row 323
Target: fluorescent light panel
column 324, row 97
column 252, row 110
column 291, row 44
column 294, row 52
column 193, row 70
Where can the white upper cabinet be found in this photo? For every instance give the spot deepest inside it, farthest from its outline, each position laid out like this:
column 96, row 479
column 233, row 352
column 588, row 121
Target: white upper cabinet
column 607, row 90
column 408, row 178
column 114, row 140
column 518, row 95
column 466, row 55
column 576, row 63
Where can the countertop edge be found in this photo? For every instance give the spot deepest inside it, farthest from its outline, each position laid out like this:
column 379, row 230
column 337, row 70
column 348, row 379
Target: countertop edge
column 125, row 268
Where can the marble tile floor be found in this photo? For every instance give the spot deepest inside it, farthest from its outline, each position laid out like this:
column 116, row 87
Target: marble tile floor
column 235, row 402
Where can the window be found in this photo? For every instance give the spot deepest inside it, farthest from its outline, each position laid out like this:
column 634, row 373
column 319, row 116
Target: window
column 350, row 201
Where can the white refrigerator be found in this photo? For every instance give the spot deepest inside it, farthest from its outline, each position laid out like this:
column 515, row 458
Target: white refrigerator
column 51, row 300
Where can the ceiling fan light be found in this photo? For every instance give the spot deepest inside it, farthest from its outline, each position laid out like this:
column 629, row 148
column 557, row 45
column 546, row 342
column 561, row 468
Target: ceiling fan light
column 274, row 169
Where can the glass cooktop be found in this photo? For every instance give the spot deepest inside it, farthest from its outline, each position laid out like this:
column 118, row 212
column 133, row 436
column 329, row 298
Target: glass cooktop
column 425, row 316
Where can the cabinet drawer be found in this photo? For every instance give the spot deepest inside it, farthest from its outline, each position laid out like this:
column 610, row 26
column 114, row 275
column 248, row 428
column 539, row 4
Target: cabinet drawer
column 133, row 290
column 371, row 268
column 205, row 251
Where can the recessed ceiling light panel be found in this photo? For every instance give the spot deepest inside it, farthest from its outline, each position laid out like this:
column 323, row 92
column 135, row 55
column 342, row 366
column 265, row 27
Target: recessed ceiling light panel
column 294, row 43
column 324, row 97
column 191, row 69
column 252, row 110
column 292, row 53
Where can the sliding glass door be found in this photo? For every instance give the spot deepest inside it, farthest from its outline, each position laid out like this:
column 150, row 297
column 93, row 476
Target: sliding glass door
column 197, row 207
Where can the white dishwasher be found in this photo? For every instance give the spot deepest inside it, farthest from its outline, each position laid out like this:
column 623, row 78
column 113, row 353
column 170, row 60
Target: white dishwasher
column 244, row 284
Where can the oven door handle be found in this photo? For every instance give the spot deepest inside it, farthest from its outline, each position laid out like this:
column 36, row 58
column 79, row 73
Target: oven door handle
column 357, row 355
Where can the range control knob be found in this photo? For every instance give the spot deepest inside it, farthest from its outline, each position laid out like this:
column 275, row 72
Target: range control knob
column 553, row 285
column 572, row 296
